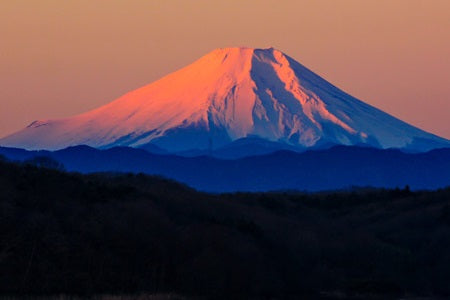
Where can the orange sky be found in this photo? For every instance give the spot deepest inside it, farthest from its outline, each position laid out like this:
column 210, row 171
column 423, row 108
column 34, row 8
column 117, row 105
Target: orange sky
column 59, row 58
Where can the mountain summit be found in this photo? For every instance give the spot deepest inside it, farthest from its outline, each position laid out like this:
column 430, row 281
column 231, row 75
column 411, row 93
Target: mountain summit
column 227, row 95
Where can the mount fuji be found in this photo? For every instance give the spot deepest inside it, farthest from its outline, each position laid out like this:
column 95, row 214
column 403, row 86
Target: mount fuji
column 231, row 98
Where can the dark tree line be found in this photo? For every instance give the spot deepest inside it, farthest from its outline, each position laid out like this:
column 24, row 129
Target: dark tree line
column 129, row 233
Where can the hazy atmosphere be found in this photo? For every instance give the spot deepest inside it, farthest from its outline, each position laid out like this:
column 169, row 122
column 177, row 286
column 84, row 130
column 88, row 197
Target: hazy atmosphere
column 193, row 149
column 60, row 58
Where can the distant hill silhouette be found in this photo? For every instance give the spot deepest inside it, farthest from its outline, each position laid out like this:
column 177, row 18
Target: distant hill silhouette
column 335, row 168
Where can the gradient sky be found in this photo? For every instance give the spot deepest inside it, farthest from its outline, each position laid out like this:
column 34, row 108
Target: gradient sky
column 60, row 58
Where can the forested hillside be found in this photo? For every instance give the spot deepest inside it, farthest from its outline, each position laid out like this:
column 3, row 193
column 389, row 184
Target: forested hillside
column 131, row 233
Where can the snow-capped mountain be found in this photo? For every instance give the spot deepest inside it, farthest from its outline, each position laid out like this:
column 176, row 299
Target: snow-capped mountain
column 228, row 95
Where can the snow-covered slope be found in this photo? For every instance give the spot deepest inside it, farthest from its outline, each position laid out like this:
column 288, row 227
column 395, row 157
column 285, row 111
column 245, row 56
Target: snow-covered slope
column 230, row 94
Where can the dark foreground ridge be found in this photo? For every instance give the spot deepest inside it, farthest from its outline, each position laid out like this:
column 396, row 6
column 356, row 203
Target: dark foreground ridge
column 335, row 168
column 123, row 234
